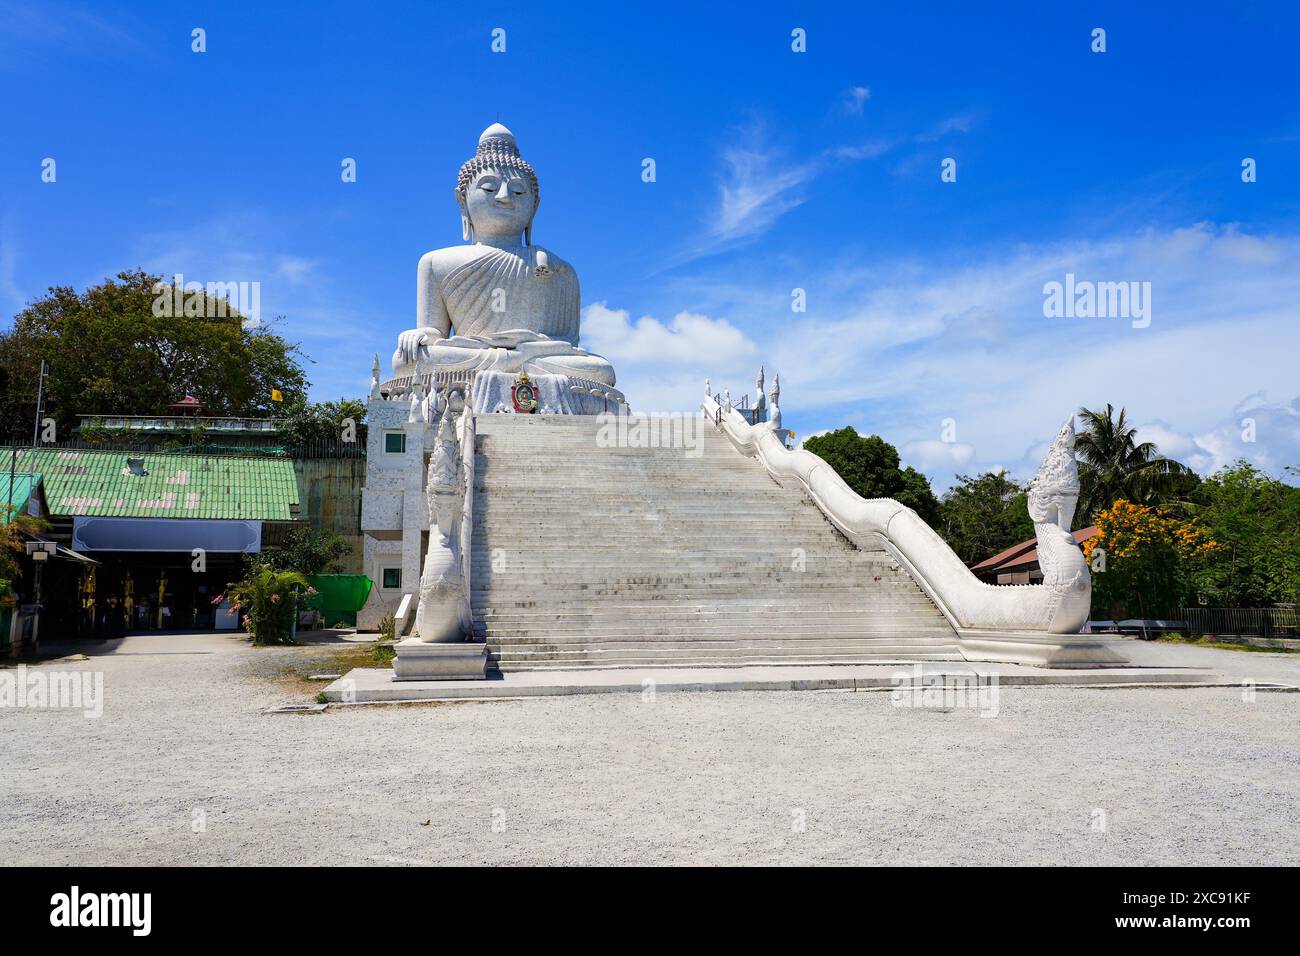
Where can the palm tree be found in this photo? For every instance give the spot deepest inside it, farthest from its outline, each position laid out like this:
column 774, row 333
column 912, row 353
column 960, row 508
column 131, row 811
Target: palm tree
column 1114, row 465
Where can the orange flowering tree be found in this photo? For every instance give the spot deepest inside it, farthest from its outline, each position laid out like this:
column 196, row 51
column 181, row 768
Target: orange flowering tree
column 1144, row 560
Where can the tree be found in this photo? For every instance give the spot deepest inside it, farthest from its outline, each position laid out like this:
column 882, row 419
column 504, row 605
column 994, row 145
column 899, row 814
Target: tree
column 307, row 551
column 16, row 529
column 870, row 466
column 1151, row 559
column 1255, row 520
column 981, row 516
column 108, row 353
column 323, row 422
column 1114, row 465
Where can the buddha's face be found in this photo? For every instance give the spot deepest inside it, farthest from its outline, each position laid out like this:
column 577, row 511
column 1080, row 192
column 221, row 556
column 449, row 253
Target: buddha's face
column 500, row 203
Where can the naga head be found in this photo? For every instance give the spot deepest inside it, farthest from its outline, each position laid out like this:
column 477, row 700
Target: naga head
column 1054, row 491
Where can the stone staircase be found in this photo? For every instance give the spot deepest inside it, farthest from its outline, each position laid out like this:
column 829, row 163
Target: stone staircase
column 631, row 557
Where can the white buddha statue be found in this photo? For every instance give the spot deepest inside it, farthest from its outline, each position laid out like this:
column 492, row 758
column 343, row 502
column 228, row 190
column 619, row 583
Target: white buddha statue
column 499, row 303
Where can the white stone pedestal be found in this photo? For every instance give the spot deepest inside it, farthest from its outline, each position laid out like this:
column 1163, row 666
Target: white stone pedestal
column 461, row 660
column 1037, row 648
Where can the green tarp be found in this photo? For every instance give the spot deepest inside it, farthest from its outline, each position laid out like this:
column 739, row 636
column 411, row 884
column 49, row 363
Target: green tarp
column 339, row 596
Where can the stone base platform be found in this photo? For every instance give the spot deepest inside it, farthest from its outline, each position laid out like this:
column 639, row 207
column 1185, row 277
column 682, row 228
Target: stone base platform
column 375, row 685
column 1039, row 649
column 436, row 663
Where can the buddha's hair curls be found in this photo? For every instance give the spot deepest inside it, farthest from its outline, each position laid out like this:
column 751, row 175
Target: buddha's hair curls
column 495, row 153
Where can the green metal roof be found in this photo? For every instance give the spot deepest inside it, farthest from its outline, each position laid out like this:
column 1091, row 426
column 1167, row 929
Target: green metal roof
column 81, row 482
column 13, row 497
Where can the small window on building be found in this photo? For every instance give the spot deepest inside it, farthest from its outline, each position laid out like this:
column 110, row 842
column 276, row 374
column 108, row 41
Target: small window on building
column 392, row 577
column 395, row 443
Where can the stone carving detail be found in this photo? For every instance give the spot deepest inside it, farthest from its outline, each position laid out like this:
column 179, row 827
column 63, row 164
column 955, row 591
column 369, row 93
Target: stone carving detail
column 1053, row 496
column 993, row 622
column 443, row 585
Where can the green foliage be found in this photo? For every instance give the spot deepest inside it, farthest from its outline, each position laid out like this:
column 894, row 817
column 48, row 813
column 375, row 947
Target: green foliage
column 307, row 551
column 322, row 421
column 267, row 602
column 1255, row 522
column 17, row 529
column 981, row 516
column 870, row 466
column 387, row 628
column 1113, row 465
column 107, row 353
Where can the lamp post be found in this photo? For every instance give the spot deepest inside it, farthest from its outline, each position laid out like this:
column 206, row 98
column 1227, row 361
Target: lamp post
column 40, row 552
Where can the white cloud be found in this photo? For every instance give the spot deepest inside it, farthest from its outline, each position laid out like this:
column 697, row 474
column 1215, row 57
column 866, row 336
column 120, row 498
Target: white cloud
column 757, row 189
column 1263, row 432
column 854, row 99
column 898, row 345
column 963, row 123
column 295, row 268
column 663, row 367
column 932, row 455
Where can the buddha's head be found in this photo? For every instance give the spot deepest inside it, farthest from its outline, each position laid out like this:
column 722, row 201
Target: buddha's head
column 497, row 190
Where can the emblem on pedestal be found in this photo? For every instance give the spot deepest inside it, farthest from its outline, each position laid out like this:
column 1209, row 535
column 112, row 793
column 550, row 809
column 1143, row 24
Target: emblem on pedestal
column 524, row 394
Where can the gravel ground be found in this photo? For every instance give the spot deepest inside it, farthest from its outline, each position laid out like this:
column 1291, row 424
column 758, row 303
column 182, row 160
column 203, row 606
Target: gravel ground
column 1178, row 776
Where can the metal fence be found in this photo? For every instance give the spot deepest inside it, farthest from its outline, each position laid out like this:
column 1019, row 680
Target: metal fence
column 1280, row 622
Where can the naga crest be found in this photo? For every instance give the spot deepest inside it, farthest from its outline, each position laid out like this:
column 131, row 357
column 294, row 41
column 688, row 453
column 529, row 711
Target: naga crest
column 1054, row 491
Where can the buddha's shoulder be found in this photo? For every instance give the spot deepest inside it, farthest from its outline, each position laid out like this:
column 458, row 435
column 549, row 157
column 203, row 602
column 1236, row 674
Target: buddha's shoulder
column 442, row 261
column 556, row 264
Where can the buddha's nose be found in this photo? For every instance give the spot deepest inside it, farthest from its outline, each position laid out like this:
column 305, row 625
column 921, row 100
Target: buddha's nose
column 503, row 194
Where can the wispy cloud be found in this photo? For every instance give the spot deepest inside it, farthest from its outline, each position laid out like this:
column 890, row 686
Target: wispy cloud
column 14, row 299
column 760, row 183
column 43, row 32
column 963, row 123
column 854, row 99
column 900, row 345
column 247, row 245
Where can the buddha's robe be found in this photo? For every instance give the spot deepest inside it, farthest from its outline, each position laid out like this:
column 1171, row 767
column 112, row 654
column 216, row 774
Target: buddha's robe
column 510, row 310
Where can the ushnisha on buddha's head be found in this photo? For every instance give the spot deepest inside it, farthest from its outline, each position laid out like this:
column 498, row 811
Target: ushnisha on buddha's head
column 497, row 191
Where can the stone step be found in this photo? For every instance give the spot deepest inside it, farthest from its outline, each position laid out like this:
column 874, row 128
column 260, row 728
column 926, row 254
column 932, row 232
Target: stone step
column 664, row 587
column 596, row 659
column 912, row 628
column 776, row 614
column 619, row 556
column 717, row 645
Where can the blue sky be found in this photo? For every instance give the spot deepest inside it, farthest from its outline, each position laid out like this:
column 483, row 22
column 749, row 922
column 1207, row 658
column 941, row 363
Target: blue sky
column 776, row 170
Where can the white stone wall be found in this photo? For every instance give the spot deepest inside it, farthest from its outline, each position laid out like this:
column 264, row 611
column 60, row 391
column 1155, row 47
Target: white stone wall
column 394, row 512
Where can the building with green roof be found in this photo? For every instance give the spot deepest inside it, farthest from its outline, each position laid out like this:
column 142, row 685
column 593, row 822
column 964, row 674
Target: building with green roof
column 167, row 530
column 155, row 485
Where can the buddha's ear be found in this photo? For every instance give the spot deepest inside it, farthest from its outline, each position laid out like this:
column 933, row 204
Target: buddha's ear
column 528, row 234
column 466, row 224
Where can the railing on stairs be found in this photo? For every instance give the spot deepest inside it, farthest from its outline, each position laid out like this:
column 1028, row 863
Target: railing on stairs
column 1035, row 623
